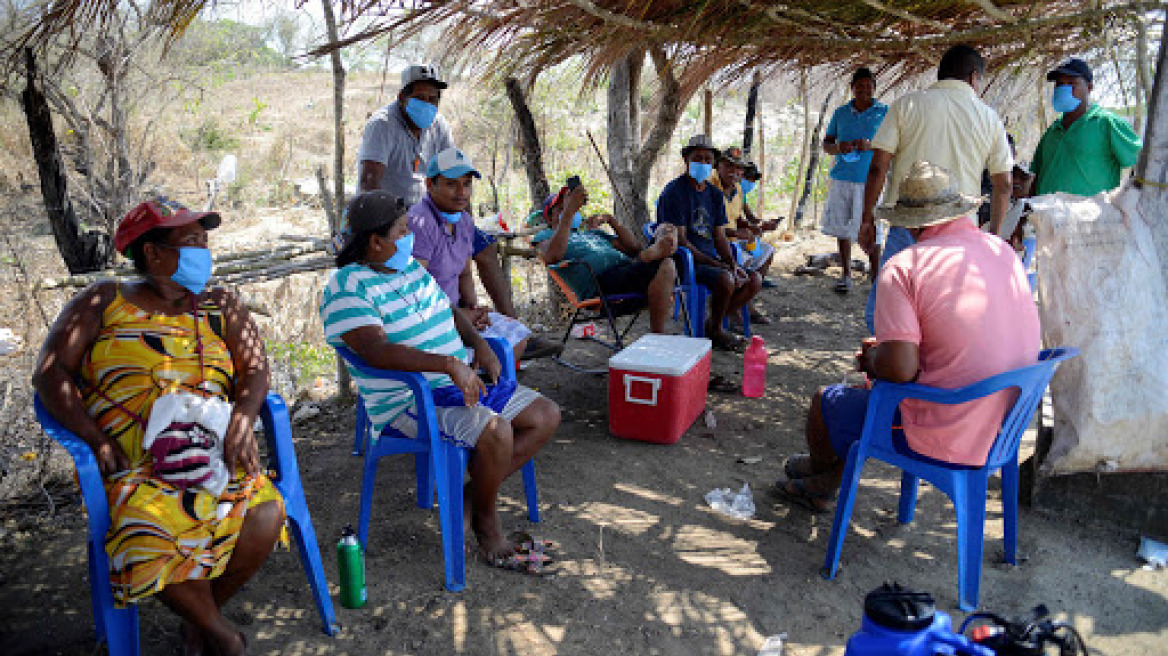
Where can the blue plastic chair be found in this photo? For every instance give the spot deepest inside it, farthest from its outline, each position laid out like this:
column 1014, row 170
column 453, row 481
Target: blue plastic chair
column 1029, row 245
column 439, row 465
column 692, row 294
column 118, row 627
column 965, row 486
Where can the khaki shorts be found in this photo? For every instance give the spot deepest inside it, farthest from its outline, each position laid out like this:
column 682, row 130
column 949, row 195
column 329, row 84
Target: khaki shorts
column 462, row 425
column 844, row 209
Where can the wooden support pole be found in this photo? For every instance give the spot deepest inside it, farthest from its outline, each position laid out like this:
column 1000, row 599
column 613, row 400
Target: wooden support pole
column 708, row 113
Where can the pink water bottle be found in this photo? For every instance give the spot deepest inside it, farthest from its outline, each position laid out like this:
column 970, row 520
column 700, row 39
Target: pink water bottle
column 754, row 368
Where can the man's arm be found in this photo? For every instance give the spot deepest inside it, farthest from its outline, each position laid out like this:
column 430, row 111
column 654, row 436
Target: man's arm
column 467, row 295
column 1000, row 200
column 873, row 187
column 1125, row 143
column 896, row 362
column 556, row 247
column 370, row 175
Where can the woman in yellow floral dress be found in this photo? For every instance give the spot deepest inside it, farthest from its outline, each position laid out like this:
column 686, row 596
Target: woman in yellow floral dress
column 117, row 348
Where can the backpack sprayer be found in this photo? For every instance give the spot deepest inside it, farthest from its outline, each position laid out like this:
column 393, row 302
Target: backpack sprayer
column 899, row 622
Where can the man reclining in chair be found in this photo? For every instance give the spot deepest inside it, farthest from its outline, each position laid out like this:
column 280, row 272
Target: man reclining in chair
column 953, row 309
column 620, row 264
column 382, row 305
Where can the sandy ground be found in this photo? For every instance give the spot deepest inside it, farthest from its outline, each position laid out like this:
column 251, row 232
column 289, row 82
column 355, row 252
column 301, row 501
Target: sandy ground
column 645, row 566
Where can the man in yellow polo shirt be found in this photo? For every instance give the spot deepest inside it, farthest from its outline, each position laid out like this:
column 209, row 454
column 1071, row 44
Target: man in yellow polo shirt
column 948, row 125
column 727, row 178
column 1086, row 149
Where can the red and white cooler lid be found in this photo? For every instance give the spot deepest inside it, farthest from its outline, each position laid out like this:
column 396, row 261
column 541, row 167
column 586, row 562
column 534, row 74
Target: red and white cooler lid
column 667, row 355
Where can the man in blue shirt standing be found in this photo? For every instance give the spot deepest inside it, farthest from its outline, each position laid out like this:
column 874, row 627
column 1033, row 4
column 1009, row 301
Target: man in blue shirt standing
column 698, row 210
column 848, row 138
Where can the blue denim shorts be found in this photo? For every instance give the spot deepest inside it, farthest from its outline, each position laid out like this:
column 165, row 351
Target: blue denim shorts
column 844, row 409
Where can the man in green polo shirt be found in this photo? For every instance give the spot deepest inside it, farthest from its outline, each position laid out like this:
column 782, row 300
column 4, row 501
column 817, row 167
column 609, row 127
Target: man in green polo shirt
column 1084, row 151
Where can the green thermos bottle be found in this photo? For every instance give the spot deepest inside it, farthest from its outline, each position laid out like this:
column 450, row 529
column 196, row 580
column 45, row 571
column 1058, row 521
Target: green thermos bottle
column 351, row 565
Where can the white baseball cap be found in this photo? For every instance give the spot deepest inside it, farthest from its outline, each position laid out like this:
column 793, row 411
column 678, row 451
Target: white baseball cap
column 451, row 163
column 421, row 73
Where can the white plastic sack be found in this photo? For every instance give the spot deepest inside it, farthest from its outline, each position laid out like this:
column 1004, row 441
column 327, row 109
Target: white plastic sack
column 1102, row 290
column 212, row 413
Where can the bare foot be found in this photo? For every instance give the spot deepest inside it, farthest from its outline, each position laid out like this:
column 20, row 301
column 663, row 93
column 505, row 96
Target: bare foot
column 492, row 544
column 192, row 639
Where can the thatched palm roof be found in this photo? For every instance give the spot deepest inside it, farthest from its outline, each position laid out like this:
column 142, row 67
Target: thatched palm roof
column 738, row 35
column 727, row 35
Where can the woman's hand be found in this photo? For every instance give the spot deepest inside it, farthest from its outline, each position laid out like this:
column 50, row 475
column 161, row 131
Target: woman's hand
column 485, row 359
column 111, row 459
column 466, row 380
column 239, row 446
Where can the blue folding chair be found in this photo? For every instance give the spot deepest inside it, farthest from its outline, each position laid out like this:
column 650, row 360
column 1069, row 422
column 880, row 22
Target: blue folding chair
column 1029, row 245
column 693, row 295
column 965, row 486
column 118, row 627
column 439, row 465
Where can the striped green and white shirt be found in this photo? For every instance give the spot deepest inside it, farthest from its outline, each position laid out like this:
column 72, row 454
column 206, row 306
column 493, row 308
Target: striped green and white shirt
column 412, row 310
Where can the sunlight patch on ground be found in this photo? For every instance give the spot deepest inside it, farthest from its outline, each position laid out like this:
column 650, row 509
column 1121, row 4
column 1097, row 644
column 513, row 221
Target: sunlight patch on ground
column 619, row 518
column 458, row 626
column 646, row 493
column 707, row 547
column 523, row 637
column 731, row 626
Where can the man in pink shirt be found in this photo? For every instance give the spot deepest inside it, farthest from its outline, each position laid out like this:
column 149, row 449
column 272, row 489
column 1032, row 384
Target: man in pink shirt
column 953, row 309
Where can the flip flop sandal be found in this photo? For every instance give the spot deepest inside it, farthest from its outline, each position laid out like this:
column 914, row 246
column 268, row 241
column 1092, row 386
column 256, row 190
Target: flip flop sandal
column 719, row 383
column 728, row 343
column 760, row 318
column 527, row 543
column 798, row 466
column 795, row 490
column 843, row 286
column 531, row 564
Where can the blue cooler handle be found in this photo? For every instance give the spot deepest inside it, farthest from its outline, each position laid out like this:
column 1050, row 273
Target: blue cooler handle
column 655, row 383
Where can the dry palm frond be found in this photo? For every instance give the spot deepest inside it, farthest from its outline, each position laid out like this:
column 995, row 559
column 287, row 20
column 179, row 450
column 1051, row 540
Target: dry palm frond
column 729, row 36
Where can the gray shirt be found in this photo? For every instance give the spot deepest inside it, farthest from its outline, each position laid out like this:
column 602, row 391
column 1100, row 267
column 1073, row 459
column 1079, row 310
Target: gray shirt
column 388, row 140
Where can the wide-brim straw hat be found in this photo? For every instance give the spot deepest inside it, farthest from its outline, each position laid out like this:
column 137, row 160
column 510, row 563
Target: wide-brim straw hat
column 928, row 196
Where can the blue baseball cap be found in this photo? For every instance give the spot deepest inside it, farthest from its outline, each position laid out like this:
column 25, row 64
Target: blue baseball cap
column 1074, row 67
column 451, row 163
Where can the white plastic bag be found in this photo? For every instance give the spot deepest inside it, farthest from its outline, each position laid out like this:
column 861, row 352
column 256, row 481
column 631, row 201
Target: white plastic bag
column 739, row 505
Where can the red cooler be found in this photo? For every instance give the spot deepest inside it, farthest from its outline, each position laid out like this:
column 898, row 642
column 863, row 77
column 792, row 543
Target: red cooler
column 657, row 387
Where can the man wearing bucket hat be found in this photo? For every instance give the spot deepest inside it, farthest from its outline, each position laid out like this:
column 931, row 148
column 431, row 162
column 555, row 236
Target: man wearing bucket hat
column 1086, row 149
column 699, row 212
column 953, row 309
column 444, row 235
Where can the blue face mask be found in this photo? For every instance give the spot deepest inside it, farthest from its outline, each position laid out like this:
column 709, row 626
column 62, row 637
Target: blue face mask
column 194, row 268
column 421, row 112
column 699, row 171
column 577, row 219
column 450, row 217
column 747, row 186
column 1064, row 101
column 401, row 257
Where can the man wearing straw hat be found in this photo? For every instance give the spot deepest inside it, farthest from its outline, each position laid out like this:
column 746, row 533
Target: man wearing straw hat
column 699, row 212
column 953, row 309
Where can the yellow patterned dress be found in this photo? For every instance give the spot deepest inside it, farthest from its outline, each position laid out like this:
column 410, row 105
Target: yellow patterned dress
column 158, row 533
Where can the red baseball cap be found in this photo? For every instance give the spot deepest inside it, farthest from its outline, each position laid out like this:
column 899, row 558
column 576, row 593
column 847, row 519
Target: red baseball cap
column 158, row 213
